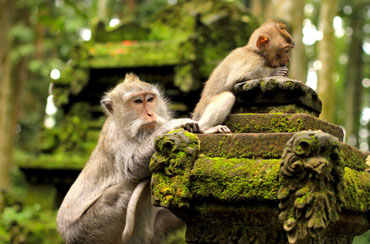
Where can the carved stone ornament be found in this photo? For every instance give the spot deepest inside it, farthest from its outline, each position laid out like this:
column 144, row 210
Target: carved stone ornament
column 171, row 164
column 311, row 185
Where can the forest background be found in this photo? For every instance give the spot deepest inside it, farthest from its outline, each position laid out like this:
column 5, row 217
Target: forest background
column 37, row 39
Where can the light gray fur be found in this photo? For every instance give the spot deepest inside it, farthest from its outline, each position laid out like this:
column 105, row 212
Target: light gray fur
column 94, row 209
column 217, row 97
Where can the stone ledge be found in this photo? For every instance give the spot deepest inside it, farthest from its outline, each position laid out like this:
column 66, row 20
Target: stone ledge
column 264, row 146
column 280, row 122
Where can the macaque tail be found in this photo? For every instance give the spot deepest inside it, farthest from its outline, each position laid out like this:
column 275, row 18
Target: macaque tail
column 131, row 209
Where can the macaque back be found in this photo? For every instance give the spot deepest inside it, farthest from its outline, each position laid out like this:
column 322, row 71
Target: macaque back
column 266, row 54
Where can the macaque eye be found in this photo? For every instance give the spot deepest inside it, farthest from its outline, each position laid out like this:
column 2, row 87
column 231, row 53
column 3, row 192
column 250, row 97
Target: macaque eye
column 138, row 101
column 150, row 99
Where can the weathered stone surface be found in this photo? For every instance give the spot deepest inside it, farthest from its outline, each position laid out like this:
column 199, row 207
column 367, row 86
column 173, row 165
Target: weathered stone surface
column 280, row 122
column 265, row 146
column 248, row 224
column 235, row 200
column 289, row 109
column 311, row 185
column 276, row 91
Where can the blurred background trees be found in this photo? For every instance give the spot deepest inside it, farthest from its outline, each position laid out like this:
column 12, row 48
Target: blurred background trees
column 38, row 39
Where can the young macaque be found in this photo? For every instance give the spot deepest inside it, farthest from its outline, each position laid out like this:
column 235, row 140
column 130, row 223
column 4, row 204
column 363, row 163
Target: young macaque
column 116, row 176
column 265, row 55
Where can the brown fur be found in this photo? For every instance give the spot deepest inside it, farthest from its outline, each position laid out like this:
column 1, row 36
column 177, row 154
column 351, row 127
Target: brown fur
column 266, row 54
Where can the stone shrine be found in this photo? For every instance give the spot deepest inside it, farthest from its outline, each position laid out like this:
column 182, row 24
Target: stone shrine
column 282, row 176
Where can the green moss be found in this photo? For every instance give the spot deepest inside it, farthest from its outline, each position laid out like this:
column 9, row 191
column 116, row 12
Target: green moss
column 235, row 179
column 130, row 54
column 175, row 153
column 258, row 145
column 279, row 122
column 357, row 190
column 171, row 191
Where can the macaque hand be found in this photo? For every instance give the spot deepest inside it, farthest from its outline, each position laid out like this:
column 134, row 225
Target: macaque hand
column 186, row 124
column 217, row 129
column 282, row 71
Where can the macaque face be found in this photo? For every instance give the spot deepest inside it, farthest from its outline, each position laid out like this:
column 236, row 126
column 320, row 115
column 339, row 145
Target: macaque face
column 280, row 56
column 277, row 52
column 144, row 105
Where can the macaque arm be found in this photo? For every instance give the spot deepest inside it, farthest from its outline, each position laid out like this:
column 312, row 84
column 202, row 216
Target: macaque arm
column 131, row 209
column 138, row 164
column 217, row 110
column 238, row 75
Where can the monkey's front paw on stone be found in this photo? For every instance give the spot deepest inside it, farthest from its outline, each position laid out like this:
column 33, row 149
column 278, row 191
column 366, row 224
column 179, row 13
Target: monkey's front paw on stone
column 191, row 127
column 282, row 71
column 186, row 124
column 217, row 129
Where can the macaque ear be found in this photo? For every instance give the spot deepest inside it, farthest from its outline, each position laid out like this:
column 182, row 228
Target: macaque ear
column 262, row 41
column 107, row 103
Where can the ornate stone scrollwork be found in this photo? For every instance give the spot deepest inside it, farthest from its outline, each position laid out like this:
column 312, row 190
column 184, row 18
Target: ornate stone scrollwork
column 311, row 184
column 171, row 164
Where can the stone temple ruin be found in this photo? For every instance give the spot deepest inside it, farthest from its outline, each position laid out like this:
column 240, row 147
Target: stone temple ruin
column 283, row 176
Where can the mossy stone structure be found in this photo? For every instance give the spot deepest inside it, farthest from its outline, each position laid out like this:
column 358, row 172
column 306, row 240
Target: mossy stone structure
column 177, row 48
column 283, row 176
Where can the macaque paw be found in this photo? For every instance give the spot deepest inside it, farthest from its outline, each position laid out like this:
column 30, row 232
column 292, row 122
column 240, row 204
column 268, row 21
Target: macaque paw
column 192, row 127
column 282, row 71
column 217, row 129
column 187, row 124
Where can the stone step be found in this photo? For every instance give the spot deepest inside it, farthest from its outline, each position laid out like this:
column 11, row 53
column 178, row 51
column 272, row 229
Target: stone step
column 265, row 146
column 280, row 122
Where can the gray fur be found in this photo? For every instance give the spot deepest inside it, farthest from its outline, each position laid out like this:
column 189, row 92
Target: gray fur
column 94, row 209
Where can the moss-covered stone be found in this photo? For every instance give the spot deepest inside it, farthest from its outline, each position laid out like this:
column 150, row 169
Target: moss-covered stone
column 357, row 190
column 264, row 146
column 130, row 54
column 277, row 91
column 235, row 180
column 279, row 122
column 229, row 190
column 289, row 109
column 170, row 165
column 244, row 145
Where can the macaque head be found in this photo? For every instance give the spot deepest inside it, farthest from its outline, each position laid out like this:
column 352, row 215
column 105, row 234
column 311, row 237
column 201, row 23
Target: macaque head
column 137, row 106
column 273, row 42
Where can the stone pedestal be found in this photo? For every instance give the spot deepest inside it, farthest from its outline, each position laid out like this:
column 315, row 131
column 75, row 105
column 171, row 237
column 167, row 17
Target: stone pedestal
column 283, row 176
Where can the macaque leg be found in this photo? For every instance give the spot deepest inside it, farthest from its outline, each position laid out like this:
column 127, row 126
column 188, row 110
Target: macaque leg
column 166, row 223
column 145, row 216
column 105, row 215
column 216, row 112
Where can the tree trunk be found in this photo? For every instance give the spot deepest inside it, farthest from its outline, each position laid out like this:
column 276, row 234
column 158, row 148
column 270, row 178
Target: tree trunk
column 102, row 10
column 262, row 9
column 291, row 12
column 326, row 54
column 6, row 94
column 354, row 75
column 131, row 5
column 12, row 75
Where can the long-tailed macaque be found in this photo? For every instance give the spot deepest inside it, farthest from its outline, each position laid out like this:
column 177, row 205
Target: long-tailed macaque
column 266, row 54
column 116, row 176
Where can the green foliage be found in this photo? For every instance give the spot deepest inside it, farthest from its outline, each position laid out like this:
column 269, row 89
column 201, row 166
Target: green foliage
column 21, row 224
column 362, row 239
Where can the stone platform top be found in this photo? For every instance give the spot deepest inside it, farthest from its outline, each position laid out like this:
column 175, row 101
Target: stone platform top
column 276, row 94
